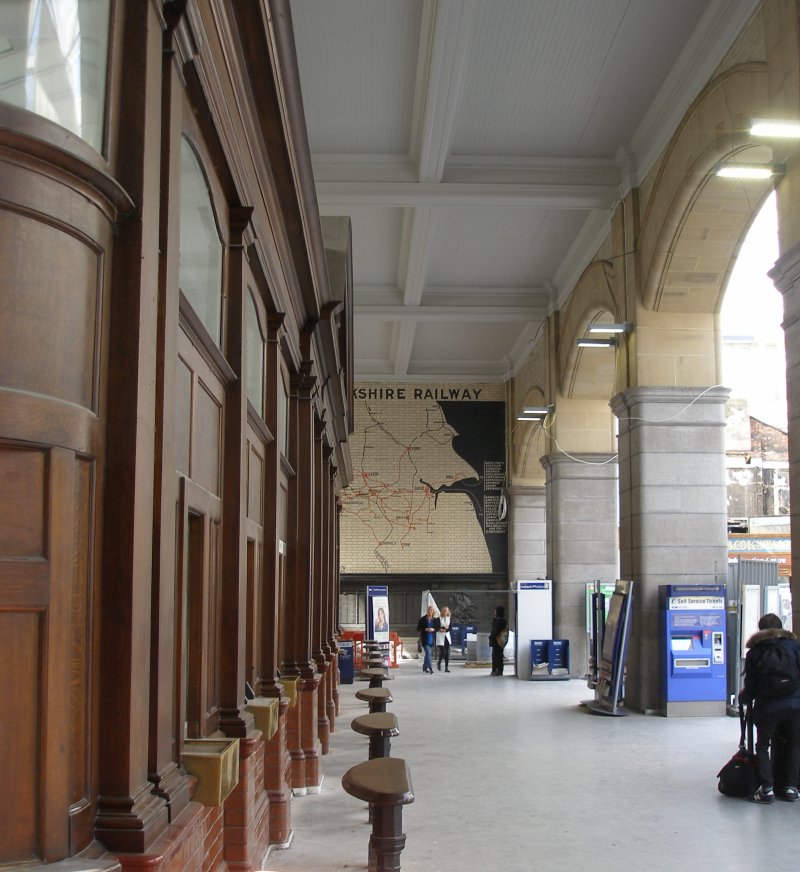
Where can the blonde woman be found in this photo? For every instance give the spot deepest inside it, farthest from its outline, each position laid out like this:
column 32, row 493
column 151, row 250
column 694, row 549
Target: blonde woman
column 443, row 639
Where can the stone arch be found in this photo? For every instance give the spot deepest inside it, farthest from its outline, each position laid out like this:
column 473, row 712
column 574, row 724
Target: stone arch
column 693, row 222
column 529, row 442
column 582, row 375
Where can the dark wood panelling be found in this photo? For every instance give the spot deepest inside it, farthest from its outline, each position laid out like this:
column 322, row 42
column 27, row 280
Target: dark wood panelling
column 183, row 417
column 20, row 675
column 212, row 629
column 63, row 280
column 22, row 507
column 255, row 482
column 55, row 232
column 81, row 678
column 45, row 654
column 207, row 438
column 198, row 620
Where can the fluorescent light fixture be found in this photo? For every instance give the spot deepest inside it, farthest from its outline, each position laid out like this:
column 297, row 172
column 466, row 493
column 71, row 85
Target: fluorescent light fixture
column 749, row 171
column 534, row 413
column 777, row 129
column 610, row 328
column 610, row 342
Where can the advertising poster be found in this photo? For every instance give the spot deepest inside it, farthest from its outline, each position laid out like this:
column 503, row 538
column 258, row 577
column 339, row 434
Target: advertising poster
column 378, row 613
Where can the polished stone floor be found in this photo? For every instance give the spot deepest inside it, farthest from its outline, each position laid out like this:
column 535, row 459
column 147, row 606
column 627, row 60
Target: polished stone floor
column 517, row 776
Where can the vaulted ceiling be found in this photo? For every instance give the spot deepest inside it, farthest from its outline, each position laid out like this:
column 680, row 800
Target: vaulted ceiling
column 479, row 147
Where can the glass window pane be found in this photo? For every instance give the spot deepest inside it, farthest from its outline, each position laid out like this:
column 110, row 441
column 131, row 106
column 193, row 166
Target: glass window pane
column 53, row 57
column 255, row 357
column 201, row 249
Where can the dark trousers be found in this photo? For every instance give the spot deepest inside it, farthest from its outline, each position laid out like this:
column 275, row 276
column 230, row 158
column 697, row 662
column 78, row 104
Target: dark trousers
column 787, row 723
column 444, row 654
column 497, row 660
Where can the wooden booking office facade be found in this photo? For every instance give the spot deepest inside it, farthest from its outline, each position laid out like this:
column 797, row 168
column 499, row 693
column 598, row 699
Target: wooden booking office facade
column 175, row 408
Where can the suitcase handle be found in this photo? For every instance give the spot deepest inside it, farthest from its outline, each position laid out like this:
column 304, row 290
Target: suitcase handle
column 746, row 724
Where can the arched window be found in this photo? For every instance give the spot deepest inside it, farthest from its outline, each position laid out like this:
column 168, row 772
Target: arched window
column 255, row 346
column 201, row 247
column 54, row 62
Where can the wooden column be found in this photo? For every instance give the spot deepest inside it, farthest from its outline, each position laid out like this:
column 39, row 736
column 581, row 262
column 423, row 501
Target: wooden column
column 276, row 761
column 303, row 740
column 233, row 720
column 129, row 816
column 319, row 595
column 329, row 579
column 270, row 657
column 163, row 766
column 336, row 554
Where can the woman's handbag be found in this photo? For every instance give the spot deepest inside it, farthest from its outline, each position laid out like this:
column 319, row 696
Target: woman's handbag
column 502, row 638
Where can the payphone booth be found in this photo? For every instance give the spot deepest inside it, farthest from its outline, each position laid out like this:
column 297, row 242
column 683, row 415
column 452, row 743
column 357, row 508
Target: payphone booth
column 693, row 670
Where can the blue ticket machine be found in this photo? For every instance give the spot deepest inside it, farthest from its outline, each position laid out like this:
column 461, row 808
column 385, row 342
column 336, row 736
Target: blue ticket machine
column 693, row 670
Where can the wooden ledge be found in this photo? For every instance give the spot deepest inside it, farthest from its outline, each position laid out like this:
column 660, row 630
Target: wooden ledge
column 376, row 724
column 382, row 781
column 375, row 694
column 375, row 672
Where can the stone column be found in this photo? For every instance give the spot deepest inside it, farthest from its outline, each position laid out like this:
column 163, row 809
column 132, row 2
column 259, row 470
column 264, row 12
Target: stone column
column 527, row 532
column 786, row 276
column 582, row 540
column 673, row 509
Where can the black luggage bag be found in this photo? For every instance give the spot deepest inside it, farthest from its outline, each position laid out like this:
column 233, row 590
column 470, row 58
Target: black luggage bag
column 739, row 776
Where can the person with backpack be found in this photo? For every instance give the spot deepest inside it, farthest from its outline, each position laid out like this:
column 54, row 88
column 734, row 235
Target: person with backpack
column 772, row 688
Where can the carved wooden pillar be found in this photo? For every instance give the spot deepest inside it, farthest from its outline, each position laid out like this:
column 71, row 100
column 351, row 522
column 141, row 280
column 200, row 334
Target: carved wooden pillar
column 335, row 522
column 303, row 740
column 233, row 719
column 319, row 588
column 129, row 815
column 274, row 522
column 277, row 761
column 165, row 722
column 329, row 586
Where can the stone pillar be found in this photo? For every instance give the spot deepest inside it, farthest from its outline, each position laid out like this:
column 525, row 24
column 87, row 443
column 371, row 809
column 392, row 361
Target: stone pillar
column 786, row 276
column 582, row 539
column 673, row 509
column 527, row 532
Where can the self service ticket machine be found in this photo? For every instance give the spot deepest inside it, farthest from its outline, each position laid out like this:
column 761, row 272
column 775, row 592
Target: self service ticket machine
column 693, row 671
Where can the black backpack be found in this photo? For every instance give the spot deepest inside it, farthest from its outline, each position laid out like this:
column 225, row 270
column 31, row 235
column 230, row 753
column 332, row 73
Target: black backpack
column 778, row 671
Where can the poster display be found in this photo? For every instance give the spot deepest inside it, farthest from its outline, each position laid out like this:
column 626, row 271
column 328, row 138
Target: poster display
column 377, row 613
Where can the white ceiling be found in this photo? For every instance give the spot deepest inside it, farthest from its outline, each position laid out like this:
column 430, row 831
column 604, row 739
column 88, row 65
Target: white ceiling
column 478, row 147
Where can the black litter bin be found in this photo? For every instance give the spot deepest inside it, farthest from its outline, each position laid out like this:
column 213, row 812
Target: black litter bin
column 346, row 664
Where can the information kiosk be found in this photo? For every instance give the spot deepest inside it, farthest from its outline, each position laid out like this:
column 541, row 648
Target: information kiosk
column 693, row 671
column 533, row 619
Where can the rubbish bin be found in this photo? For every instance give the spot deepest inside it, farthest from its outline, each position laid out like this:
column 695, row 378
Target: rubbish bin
column 346, row 667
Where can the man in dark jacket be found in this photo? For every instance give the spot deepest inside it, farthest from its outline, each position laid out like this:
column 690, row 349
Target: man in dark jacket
column 775, row 710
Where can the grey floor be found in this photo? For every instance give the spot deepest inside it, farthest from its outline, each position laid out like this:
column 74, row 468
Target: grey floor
column 516, row 776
